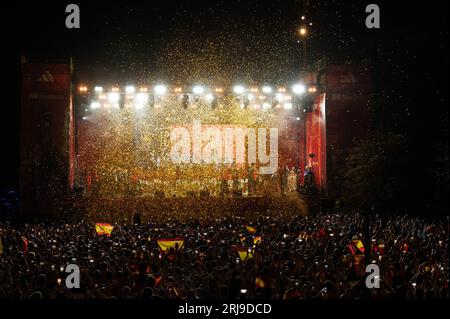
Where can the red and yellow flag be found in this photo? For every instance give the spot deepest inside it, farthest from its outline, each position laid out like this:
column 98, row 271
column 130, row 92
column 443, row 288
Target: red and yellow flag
column 104, row 229
column 356, row 247
column 257, row 240
column 250, row 229
column 259, row 282
column 166, row 243
column 244, row 253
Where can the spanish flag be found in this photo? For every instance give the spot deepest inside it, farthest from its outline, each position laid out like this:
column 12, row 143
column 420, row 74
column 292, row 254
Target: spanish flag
column 166, row 243
column 259, row 282
column 250, row 229
column 257, row 240
column 104, row 229
column 356, row 247
column 244, row 253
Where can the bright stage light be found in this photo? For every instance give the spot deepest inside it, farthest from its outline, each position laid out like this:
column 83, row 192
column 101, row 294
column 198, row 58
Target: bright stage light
column 129, row 89
column 198, row 89
column 250, row 97
column 266, row 106
column 160, row 89
column 143, row 89
column 288, row 106
column 209, row 97
column 113, row 97
column 238, row 89
column 298, row 89
column 141, row 98
column 98, row 89
column 267, row 89
column 95, row 105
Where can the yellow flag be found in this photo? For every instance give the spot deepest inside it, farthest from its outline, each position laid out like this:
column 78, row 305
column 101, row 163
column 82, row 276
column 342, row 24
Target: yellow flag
column 257, row 240
column 103, row 229
column 250, row 229
column 245, row 253
column 259, row 282
column 167, row 243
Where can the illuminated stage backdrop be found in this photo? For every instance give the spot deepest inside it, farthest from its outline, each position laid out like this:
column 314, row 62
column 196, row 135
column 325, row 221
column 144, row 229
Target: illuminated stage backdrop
column 124, row 149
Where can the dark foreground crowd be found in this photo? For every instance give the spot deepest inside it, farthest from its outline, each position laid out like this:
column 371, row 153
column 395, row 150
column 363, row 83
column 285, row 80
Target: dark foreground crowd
column 297, row 257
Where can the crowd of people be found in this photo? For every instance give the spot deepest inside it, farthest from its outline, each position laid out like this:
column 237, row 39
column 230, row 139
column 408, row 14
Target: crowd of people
column 289, row 257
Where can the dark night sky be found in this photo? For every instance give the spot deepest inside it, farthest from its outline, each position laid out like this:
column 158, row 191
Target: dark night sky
column 237, row 40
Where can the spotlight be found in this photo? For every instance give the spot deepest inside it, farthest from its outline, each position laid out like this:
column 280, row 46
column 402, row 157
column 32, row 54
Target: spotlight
column 113, row 97
column 267, row 89
column 288, row 106
column 302, row 31
column 141, row 98
column 266, row 106
column 238, row 89
column 98, row 89
column 198, row 89
column 95, row 105
column 160, row 89
column 209, row 97
column 298, row 89
column 143, row 89
column 129, row 89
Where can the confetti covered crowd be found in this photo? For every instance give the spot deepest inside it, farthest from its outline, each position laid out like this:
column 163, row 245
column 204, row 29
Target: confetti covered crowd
column 289, row 257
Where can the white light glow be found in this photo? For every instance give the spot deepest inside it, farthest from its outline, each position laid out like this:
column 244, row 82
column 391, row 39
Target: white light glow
column 141, row 98
column 238, row 89
column 298, row 89
column 98, row 89
column 288, row 106
column 209, row 97
column 267, row 89
column 130, row 89
column 198, row 89
column 266, row 106
column 160, row 89
column 95, row 105
column 113, row 97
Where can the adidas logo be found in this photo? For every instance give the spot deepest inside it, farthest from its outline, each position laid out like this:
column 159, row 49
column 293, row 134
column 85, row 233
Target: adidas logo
column 46, row 77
